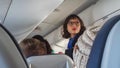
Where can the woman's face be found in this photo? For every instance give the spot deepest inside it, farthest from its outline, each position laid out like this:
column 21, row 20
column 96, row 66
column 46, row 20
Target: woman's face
column 73, row 26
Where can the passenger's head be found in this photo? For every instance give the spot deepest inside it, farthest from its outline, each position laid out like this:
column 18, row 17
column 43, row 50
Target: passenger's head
column 33, row 47
column 49, row 49
column 39, row 37
column 73, row 25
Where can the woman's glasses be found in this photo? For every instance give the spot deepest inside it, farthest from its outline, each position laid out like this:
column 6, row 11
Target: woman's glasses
column 73, row 23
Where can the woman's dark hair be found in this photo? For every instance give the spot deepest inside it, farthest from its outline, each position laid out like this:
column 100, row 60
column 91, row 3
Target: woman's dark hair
column 49, row 49
column 66, row 34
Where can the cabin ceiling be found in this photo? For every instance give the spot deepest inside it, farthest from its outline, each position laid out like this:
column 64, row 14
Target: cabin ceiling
column 56, row 18
column 21, row 17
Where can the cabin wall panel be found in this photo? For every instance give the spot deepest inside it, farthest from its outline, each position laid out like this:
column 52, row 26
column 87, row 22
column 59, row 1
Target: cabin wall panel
column 87, row 16
column 4, row 5
column 104, row 7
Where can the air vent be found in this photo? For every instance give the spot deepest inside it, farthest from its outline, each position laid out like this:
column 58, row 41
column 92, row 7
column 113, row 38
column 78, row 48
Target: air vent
column 56, row 10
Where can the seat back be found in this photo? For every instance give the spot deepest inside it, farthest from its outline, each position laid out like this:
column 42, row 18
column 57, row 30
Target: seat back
column 97, row 50
column 111, row 56
column 50, row 61
column 10, row 54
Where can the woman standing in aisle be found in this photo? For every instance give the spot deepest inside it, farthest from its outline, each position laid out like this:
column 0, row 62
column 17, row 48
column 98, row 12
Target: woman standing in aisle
column 73, row 27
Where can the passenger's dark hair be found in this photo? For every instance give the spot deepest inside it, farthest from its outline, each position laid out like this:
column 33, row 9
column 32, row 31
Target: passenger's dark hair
column 33, row 47
column 39, row 37
column 66, row 34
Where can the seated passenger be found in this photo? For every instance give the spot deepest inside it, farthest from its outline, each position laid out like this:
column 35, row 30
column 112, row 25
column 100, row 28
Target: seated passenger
column 33, row 47
column 49, row 49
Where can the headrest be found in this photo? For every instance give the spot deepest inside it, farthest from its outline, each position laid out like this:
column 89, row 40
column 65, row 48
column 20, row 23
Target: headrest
column 10, row 54
column 97, row 50
column 50, row 61
column 111, row 56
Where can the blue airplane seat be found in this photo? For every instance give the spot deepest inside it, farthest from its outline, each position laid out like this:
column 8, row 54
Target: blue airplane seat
column 97, row 50
column 111, row 55
column 10, row 54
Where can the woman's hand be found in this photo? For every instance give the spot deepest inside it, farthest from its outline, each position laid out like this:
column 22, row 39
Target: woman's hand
column 60, row 53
